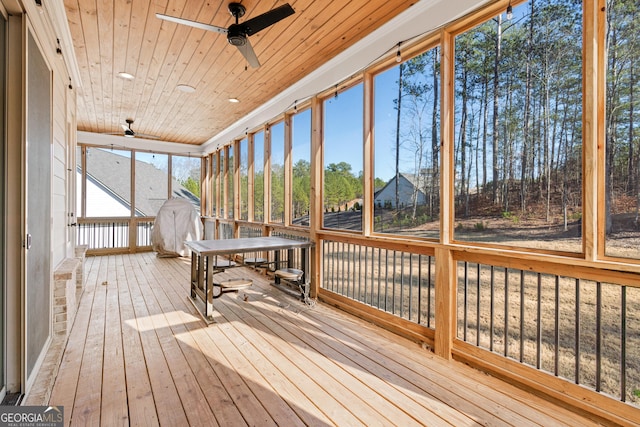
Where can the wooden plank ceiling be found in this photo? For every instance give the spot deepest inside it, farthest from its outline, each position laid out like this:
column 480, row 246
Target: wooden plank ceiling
column 125, row 36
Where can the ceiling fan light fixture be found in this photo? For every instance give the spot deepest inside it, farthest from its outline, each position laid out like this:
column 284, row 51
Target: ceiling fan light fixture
column 186, row 88
column 237, row 40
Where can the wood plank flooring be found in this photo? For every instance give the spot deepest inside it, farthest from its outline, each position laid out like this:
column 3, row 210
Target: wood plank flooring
column 138, row 354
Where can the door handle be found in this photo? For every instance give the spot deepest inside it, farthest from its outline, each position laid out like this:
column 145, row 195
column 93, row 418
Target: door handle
column 27, row 241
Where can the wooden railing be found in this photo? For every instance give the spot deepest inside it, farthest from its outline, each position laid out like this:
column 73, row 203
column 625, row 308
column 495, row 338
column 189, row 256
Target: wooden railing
column 113, row 235
column 575, row 335
column 397, row 282
column 564, row 334
column 582, row 326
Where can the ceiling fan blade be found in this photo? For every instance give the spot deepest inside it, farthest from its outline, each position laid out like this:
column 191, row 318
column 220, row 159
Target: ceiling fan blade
column 195, row 24
column 125, row 128
column 248, row 53
column 261, row 22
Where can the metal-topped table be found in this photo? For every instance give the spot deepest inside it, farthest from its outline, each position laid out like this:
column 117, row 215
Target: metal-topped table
column 203, row 269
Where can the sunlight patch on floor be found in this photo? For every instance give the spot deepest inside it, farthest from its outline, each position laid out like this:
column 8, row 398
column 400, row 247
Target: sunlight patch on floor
column 173, row 318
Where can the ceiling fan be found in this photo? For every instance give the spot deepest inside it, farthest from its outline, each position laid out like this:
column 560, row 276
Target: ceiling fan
column 129, row 133
column 237, row 33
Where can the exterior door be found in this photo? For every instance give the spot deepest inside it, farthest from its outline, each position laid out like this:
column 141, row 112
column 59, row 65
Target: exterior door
column 38, row 154
column 3, row 61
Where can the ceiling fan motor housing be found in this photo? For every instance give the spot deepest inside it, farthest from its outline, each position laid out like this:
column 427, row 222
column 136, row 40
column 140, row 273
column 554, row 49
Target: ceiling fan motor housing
column 129, row 132
column 236, row 35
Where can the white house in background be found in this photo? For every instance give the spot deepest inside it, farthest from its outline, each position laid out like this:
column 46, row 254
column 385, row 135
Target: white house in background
column 409, row 189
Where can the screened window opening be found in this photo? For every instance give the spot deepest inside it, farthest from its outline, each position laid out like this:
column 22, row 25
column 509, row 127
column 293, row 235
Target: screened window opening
column 518, row 128
column 343, row 159
column 407, row 147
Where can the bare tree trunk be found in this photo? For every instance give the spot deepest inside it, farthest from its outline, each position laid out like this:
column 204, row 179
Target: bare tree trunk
column 398, row 136
column 547, row 159
column 631, row 170
column 527, row 106
column 463, row 137
column 496, row 171
column 485, row 119
column 435, row 142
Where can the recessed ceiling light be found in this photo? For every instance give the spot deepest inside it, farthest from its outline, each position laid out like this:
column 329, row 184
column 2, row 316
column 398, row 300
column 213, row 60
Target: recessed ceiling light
column 186, row 88
column 126, row 75
column 234, row 100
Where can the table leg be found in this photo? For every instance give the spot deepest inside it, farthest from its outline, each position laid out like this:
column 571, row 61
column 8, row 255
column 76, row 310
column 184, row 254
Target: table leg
column 208, row 293
column 289, row 258
column 194, row 274
column 306, row 269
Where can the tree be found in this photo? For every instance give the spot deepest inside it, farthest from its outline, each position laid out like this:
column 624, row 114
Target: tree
column 301, row 188
column 192, row 185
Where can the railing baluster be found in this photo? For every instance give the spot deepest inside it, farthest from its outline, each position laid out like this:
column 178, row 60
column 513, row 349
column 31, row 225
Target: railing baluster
column 393, row 287
column 412, row 308
column 429, row 290
column 354, row 270
column 556, row 332
column 492, row 309
column 479, row 271
column 598, row 335
column 402, row 284
column 386, row 281
column 577, row 332
column 539, row 323
column 522, row 314
column 465, row 321
column 357, row 266
column 623, row 343
column 331, row 265
column 506, row 312
column 379, row 276
column 419, row 288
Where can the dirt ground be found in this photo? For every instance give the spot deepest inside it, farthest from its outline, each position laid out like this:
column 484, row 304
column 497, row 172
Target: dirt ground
column 623, row 241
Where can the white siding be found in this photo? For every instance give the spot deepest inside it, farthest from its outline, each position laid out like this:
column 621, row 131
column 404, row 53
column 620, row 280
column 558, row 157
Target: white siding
column 405, row 194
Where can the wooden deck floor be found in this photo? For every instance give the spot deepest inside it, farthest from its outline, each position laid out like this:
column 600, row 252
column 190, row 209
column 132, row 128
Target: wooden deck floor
column 138, row 354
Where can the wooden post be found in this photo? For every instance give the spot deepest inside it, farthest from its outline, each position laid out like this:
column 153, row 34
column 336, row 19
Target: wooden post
column 445, row 302
column 225, row 181
column 594, row 218
column 251, row 170
column 445, row 267
column 288, row 171
column 266, row 208
column 315, row 203
column 235, row 148
column 216, row 185
column 368, row 166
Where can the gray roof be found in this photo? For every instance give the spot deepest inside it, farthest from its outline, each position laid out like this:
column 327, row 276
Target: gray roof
column 413, row 179
column 112, row 171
